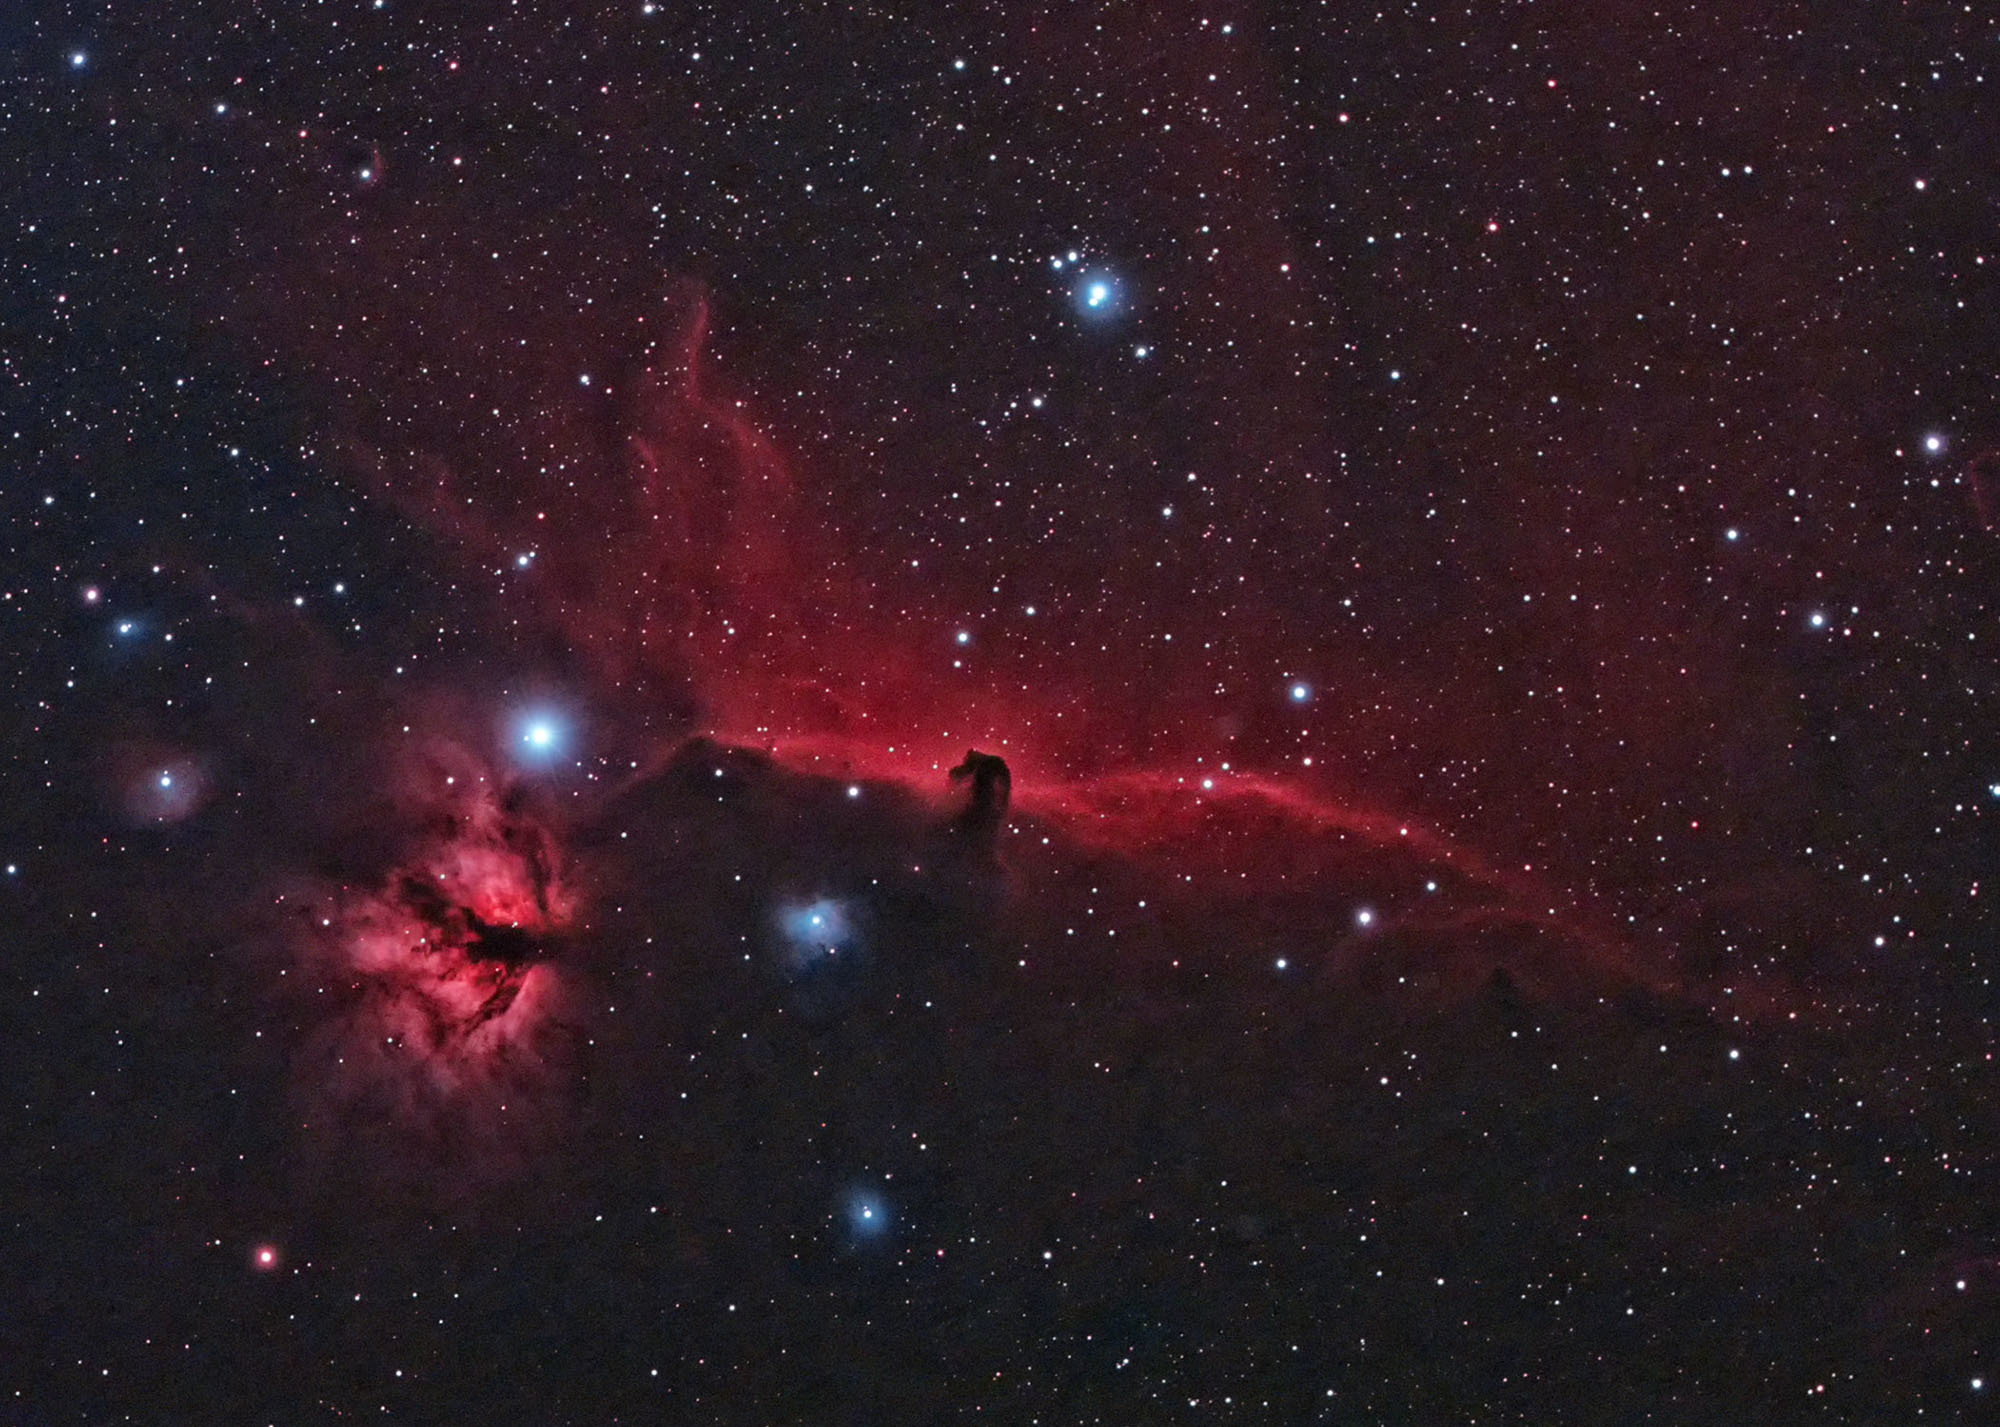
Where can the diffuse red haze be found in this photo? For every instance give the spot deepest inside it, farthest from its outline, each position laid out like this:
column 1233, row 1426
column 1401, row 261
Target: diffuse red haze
column 698, row 590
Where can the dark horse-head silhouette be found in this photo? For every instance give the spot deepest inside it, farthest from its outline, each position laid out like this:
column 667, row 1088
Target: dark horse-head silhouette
column 992, row 785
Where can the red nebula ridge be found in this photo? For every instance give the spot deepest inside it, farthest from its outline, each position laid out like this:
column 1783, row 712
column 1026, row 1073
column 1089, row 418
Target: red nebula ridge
column 676, row 553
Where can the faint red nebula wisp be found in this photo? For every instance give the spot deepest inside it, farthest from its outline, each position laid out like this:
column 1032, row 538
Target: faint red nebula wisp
column 1981, row 469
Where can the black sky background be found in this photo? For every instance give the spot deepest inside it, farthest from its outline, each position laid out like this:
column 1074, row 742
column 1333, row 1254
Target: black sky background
column 1597, row 1028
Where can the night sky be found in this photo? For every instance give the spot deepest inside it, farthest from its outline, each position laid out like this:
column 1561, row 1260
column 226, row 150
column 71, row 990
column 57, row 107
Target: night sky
column 793, row 713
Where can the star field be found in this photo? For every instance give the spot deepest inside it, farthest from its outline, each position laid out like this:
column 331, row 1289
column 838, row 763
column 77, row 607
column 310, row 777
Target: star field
column 1461, row 544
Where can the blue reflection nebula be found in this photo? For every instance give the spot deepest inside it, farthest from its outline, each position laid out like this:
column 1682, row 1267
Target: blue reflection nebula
column 868, row 1214
column 816, row 929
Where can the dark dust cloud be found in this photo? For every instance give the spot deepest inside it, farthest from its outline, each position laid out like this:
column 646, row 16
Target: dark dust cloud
column 779, row 714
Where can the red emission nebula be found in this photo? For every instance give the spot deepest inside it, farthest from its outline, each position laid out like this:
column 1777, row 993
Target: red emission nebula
column 654, row 533
column 450, row 1017
column 867, row 713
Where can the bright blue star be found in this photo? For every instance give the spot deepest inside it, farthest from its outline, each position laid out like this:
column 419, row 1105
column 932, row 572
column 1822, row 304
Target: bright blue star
column 868, row 1214
column 1097, row 294
column 816, row 930
column 1301, row 693
column 539, row 735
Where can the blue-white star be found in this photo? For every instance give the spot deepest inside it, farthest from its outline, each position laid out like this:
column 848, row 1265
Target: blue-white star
column 539, row 735
column 817, row 933
column 1097, row 294
column 868, row 1215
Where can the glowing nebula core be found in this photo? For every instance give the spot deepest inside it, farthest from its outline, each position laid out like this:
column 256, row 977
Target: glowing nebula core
column 450, row 1017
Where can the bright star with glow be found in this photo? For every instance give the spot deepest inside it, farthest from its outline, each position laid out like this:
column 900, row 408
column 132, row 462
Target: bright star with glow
column 1301, row 693
column 539, row 734
column 868, row 1215
column 817, row 934
column 1934, row 444
column 1097, row 294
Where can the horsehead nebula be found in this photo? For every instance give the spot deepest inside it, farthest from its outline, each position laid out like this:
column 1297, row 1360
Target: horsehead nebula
column 791, row 714
column 700, row 598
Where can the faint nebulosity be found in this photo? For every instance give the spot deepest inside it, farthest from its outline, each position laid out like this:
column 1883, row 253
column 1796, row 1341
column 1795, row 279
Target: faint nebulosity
column 777, row 713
